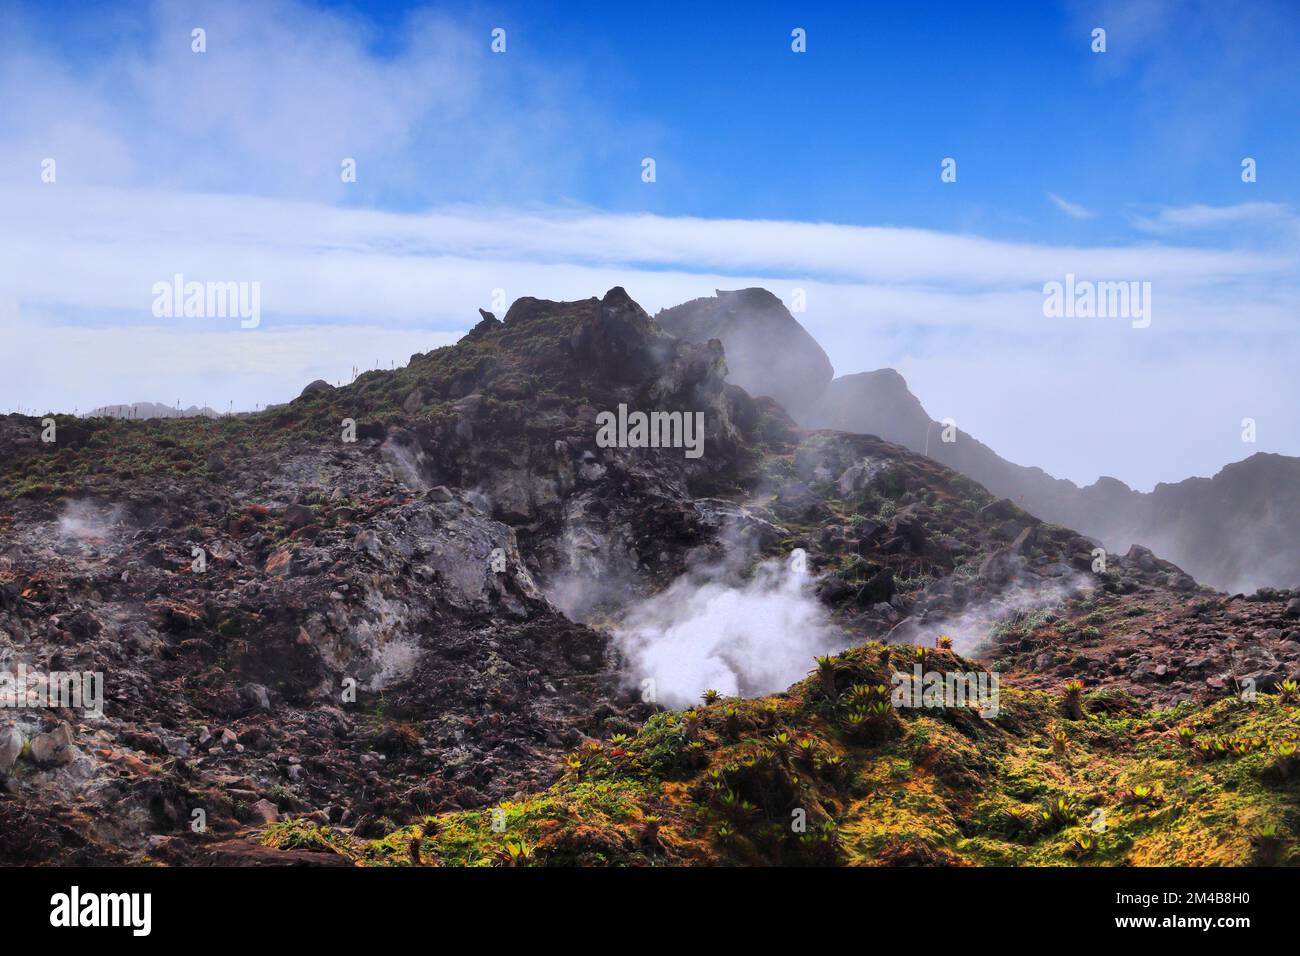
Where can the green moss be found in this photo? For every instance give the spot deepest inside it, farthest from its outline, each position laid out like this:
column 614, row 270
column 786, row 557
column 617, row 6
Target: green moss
column 949, row 788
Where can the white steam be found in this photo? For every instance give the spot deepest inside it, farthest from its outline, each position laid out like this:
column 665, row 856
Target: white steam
column 407, row 467
column 739, row 638
column 973, row 628
column 393, row 652
column 87, row 528
column 83, row 521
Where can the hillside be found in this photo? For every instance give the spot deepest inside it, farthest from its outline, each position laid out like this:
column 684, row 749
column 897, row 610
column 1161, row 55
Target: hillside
column 438, row 621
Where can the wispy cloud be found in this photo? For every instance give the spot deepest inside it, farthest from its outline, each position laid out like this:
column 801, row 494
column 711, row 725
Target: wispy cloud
column 1073, row 210
column 1202, row 217
column 100, row 249
column 283, row 94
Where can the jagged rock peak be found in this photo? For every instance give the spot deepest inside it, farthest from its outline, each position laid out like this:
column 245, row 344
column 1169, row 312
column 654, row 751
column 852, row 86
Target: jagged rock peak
column 768, row 351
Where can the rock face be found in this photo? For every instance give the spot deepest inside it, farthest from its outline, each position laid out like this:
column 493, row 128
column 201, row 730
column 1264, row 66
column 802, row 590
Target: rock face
column 768, row 352
column 878, row 399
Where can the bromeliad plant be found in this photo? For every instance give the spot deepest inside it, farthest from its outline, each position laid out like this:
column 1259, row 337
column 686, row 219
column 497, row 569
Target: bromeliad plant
column 1268, row 842
column 580, row 762
column 868, row 721
column 1018, row 821
column 1288, row 690
column 1142, row 795
column 1072, row 699
column 1210, row 748
column 1083, row 844
column 1215, row 748
column 735, row 807
column 820, row 843
column 832, row 765
column 1287, row 760
column 696, row 754
column 417, row 838
column 649, row 832
column 1240, row 746
column 783, row 746
column 826, row 668
column 515, row 854
column 1060, row 812
column 731, row 722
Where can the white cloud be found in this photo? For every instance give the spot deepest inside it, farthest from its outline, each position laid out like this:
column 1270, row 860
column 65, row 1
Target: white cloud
column 93, row 249
column 283, row 94
column 1199, row 217
column 354, row 286
column 1073, row 210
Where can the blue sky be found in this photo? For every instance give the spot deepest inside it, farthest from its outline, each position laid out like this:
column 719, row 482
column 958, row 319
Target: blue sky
column 520, row 172
column 853, row 130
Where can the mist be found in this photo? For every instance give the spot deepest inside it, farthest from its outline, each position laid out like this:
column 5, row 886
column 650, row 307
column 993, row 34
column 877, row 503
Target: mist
column 972, row 629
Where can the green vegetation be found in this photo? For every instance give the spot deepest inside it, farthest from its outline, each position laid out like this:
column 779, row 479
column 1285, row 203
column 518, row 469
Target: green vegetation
column 832, row 773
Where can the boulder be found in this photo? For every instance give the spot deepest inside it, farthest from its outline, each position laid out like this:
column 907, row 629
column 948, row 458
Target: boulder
column 318, row 387
column 298, row 516
column 265, row 812
column 54, row 748
column 11, row 745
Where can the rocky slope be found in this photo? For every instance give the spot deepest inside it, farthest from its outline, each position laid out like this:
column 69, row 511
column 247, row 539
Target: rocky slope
column 380, row 624
column 1237, row 531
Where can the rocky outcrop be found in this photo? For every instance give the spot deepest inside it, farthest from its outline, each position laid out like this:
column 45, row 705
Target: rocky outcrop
column 768, row 352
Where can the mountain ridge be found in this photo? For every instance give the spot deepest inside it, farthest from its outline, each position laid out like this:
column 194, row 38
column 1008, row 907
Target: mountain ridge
column 1238, row 529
